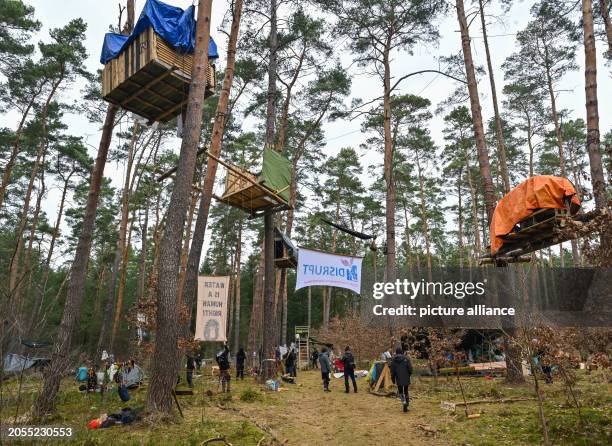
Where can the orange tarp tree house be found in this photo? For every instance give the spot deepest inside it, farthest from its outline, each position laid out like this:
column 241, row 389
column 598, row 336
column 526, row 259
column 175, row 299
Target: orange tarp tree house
column 531, row 198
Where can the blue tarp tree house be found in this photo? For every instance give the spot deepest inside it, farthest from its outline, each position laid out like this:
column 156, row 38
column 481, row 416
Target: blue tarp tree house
column 149, row 71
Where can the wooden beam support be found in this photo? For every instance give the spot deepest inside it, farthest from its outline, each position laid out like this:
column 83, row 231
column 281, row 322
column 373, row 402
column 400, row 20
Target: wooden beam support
column 148, row 86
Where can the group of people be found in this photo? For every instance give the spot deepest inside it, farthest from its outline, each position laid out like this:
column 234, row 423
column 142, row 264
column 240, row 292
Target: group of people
column 224, row 361
column 399, row 364
column 348, row 361
column 111, row 372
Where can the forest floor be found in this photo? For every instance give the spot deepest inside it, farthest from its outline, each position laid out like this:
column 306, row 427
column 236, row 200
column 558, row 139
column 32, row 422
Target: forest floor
column 302, row 414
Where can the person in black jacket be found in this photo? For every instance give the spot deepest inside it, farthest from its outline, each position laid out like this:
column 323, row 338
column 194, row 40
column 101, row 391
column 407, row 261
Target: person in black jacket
column 290, row 366
column 224, row 361
column 240, row 358
column 315, row 358
column 401, row 369
column 348, row 360
column 190, row 368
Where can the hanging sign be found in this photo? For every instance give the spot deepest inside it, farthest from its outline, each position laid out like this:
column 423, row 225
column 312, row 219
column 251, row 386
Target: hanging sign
column 212, row 309
column 327, row 269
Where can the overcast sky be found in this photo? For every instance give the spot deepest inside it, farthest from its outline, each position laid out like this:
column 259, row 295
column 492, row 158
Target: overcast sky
column 99, row 14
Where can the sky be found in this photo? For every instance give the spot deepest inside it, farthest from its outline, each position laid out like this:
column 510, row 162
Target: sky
column 99, row 14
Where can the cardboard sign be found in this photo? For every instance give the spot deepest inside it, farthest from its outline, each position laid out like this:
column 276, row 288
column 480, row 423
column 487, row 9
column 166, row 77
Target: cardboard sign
column 323, row 268
column 211, row 315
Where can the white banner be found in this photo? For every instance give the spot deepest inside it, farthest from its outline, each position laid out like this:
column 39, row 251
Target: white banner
column 322, row 268
column 212, row 309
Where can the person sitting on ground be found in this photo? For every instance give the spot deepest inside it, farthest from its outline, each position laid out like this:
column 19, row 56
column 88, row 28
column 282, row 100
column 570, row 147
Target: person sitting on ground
column 189, row 372
column 401, row 369
column 315, row 358
column 223, row 360
column 325, row 368
column 240, row 359
column 92, row 380
column 348, row 360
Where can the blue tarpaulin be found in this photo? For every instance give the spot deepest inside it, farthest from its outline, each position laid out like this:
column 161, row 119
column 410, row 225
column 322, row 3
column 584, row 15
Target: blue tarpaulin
column 174, row 25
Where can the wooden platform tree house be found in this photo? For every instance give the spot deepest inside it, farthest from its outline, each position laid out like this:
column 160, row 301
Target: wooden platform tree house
column 258, row 194
column 149, row 71
column 531, row 217
column 285, row 252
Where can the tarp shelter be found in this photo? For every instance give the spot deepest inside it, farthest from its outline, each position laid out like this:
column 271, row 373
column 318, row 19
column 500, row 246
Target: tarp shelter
column 539, row 192
column 15, row 364
column 276, row 173
column 149, row 71
column 175, row 25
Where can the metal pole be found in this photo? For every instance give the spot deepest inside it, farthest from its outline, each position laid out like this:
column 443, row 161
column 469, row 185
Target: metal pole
column 309, row 308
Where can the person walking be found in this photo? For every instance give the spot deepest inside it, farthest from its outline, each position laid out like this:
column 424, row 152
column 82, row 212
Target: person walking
column 325, row 368
column 190, row 368
column 240, row 358
column 348, row 360
column 401, row 369
column 290, row 360
column 223, row 360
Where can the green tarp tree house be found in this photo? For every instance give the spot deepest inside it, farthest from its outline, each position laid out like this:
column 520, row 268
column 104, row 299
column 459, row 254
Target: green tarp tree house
column 257, row 194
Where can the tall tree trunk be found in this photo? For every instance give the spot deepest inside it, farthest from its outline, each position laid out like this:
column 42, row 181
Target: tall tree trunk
column 197, row 242
column 555, row 115
column 499, row 132
column 185, row 251
column 47, row 266
column 8, row 168
column 460, row 222
column 483, row 154
column 237, row 287
column 604, row 8
column 163, row 366
column 60, row 355
column 27, row 269
column 388, row 166
column 593, row 141
column 424, row 220
column 270, row 337
column 42, row 146
column 107, row 318
column 474, row 202
column 125, row 202
column 255, row 324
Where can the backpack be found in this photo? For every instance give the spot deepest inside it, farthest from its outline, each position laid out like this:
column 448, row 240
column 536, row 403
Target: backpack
column 124, row 394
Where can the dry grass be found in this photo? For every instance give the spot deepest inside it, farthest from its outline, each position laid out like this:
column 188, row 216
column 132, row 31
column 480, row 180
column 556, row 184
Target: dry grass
column 302, row 414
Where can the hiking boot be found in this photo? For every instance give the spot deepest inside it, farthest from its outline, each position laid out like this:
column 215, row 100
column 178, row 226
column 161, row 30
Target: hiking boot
column 327, row 390
column 406, row 407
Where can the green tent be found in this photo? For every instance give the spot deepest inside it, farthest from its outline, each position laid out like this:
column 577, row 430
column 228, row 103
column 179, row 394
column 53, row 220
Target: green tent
column 276, row 173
